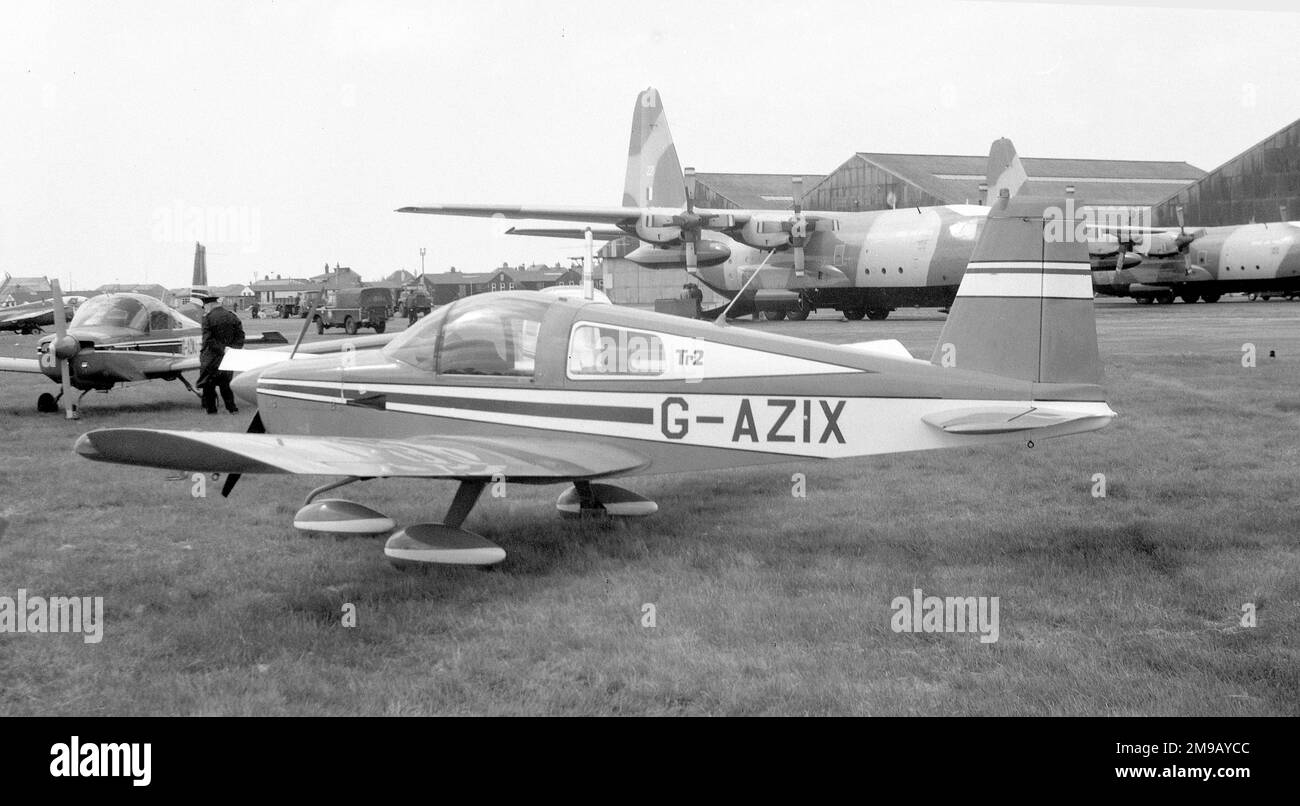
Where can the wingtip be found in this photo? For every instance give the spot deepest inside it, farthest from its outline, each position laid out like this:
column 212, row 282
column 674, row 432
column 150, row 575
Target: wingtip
column 85, row 446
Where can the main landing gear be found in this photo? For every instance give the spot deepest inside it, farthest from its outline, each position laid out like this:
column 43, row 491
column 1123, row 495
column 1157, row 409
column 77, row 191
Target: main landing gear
column 48, row 403
column 446, row 543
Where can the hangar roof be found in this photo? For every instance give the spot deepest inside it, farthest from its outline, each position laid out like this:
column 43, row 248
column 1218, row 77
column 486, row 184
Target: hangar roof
column 956, row 179
column 756, row 191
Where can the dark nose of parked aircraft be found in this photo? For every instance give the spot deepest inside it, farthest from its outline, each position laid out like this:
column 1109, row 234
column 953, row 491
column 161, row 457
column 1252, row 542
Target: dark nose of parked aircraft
column 244, row 385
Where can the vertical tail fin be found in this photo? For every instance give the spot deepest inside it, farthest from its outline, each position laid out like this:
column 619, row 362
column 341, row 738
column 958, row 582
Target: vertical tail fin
column 1004, row 170
column 1024, row 309
column 654, row 175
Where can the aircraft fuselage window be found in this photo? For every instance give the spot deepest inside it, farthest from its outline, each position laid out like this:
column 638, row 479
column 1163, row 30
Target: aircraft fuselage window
column 604, row 351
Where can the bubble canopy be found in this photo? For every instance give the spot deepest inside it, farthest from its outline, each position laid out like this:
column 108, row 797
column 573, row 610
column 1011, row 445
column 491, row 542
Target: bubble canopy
column 137, row 313
column 491, row 334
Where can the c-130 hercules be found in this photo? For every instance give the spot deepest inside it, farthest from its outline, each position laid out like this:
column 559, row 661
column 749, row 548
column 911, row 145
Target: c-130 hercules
column 862, row 263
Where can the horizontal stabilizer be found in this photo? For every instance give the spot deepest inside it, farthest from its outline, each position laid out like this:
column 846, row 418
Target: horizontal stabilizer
column 885, row 348
column 1010, row 419
column 417, row 457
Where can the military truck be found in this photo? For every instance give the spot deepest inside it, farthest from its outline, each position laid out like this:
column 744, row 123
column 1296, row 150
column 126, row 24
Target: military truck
column 354, row 308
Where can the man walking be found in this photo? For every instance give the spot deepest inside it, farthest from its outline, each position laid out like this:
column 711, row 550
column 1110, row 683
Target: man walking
column 221, row 329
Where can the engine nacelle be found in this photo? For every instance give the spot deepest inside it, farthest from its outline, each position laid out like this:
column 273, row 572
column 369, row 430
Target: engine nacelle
column 1162, row 245
column 658, row 229
column 763, row 233
column 707, row 253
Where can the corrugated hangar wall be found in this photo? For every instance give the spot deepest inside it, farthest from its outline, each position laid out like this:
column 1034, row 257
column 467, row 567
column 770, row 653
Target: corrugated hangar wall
column 1253, row 186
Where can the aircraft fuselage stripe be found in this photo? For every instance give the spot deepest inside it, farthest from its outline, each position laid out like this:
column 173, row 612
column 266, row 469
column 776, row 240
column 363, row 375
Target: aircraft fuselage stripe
column 571, row 411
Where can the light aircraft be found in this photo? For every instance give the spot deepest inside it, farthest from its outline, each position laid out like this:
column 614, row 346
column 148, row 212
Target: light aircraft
column 862, row 263
column 112, row 339
column 31, row 317
column 535, row 388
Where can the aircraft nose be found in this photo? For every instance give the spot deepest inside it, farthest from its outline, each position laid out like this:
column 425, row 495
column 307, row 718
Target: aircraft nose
column 244, row 385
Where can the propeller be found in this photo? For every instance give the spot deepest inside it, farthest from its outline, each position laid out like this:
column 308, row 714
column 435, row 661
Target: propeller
column 1183, row 238
column 1124, row 245
column 691, row 234
column 64, row 348
column 798, row 224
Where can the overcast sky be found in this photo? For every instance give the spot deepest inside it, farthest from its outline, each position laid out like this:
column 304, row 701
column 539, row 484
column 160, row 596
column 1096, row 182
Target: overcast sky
column 284, row 135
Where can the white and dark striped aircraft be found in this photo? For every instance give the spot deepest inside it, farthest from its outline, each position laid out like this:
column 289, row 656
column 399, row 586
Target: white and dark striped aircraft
column 534, row 388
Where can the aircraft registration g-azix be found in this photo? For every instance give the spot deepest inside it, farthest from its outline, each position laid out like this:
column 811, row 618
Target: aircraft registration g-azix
column 541, row 389
column 113, row 339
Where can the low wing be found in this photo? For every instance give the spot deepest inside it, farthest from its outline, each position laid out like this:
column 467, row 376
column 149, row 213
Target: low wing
column 19, row 365
column 448, row 457
column 169, row 365
column 22, row 314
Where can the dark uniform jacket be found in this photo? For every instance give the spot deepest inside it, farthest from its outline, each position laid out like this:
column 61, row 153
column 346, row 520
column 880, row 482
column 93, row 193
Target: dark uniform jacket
column 221, row 329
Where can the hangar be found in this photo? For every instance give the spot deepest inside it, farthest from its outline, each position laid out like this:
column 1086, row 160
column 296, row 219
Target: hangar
column 1260, row 184
column 874, row 181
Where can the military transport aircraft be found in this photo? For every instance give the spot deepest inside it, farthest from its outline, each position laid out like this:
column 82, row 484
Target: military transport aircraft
column 862, row 263
column 116, row 338
column 539, row 389
column 1205, row 263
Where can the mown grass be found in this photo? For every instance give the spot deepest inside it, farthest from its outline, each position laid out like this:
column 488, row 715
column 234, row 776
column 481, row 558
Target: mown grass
column 764, row 603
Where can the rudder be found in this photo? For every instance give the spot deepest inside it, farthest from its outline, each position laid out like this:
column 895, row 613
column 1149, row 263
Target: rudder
column 654, row 174
column 1004, row 170
column 1024, row 308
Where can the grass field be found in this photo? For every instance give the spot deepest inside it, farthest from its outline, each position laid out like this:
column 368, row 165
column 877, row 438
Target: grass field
column 764, row 603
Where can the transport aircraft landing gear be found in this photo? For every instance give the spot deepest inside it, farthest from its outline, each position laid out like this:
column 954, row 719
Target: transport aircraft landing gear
column 877, row 314
column 47, row 403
